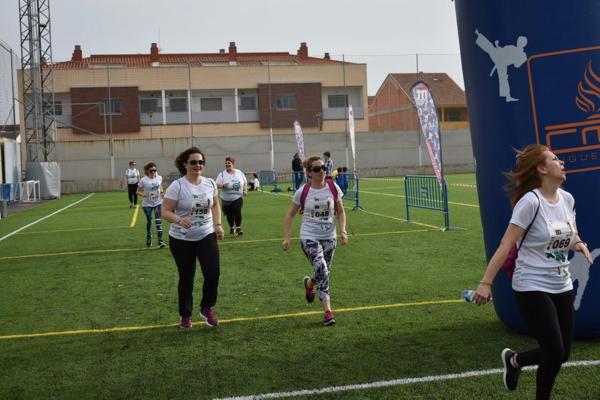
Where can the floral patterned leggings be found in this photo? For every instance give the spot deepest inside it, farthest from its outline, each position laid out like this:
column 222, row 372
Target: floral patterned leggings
column 320, row 254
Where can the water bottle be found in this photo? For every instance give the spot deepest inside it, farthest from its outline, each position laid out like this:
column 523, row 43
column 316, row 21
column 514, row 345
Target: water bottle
column 468, row 295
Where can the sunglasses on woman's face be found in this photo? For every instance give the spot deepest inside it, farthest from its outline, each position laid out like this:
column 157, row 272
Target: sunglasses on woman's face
column 318, row 168
column 196, row 162
column 152, row 170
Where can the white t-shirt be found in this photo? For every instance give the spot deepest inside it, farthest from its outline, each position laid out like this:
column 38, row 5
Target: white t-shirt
column 194, row 202
column 132, row 175
column 256, row 183
column 318, row 221
column 151, row 188
column 234, row 185
column 542, row 262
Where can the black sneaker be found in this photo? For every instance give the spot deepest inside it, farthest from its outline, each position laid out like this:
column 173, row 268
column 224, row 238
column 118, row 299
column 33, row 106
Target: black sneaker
column 161, row 244
column 511, row 374
column 148, row 241
column 238, row 231
column 231, row 231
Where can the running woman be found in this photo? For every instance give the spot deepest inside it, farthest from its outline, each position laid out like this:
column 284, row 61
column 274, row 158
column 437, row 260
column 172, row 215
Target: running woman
column 131, row 179
column 150, row 188
column 319, row 204
column 541, row 283
column 191, row 205
column 234, row 186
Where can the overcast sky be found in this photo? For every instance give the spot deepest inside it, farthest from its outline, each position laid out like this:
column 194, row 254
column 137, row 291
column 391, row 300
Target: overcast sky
column 385, row 34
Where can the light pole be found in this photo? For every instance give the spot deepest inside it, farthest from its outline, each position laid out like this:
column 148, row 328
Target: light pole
column 150, row 114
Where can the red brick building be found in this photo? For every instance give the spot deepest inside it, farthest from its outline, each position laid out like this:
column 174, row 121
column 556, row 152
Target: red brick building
column 392, row 109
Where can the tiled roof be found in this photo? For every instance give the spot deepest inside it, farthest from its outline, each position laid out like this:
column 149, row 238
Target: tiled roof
column 198, row 59
column 445, row 91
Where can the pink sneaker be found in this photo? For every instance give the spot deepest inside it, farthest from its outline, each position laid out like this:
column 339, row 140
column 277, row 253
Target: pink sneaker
column 185, row 322
column 209, row 316
column 328, row 318
column 309, row 291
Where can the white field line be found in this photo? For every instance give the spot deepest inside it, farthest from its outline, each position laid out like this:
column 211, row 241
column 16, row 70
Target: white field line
column 43, row 218
column 394, row 382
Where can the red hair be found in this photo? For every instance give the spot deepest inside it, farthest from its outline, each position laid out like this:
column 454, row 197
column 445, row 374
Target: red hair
column 526, row 176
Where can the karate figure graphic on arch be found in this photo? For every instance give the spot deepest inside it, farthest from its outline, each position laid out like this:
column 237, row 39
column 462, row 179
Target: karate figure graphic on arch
column 503, row 57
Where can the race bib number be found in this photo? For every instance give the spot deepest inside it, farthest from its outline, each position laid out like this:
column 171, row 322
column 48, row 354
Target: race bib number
column 561, row 234
column 235, row 185
column 154, row 194
column 200, row 210
column 321, row 210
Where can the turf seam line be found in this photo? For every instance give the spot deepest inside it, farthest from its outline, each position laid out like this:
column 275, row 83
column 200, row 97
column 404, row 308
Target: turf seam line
column 374, row 213
column 43, row 218
column 71, row 253
column 404, row 196
column 73, row 230
column 395, row 382
column 226, row 321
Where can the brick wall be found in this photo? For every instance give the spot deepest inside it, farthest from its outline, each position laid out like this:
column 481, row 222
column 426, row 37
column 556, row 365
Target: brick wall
column 309, row 108
column 87, row 117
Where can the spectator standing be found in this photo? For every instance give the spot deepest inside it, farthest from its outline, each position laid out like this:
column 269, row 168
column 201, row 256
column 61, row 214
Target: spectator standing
column 297, row 172
column 328, row 164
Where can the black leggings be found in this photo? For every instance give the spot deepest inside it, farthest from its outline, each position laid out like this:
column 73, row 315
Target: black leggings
column 185, row 254
column 132, row 192
column 233, row 212
column 550, row 319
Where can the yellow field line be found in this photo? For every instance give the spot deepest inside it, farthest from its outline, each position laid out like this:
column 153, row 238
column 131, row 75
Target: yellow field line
column 72, row 253
column 134, row 218
column 226, row 321
column 403, row 196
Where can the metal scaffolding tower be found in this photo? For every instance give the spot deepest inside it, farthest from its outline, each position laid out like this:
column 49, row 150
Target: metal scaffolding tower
column 38, row 89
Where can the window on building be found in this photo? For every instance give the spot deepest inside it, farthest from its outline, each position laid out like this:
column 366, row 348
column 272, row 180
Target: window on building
column 286, row 102
column 452, row 115
column 114, row 107
column 178, row 105
column 337, row 101
column 58, row 108
column 148, row 106
column 211, row 104
column 247, row 103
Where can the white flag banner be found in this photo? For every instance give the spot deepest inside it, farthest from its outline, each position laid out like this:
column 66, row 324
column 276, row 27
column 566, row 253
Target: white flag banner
column 299, row 139
column 430, row 124
column 352, row 135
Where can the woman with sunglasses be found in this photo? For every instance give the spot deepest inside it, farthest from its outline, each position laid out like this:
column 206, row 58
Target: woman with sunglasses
column 234, row 186
column 191, row 206
column 319, row 204
column 150, row 188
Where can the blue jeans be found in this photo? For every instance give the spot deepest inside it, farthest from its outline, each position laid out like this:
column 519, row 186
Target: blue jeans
column 298, row 179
